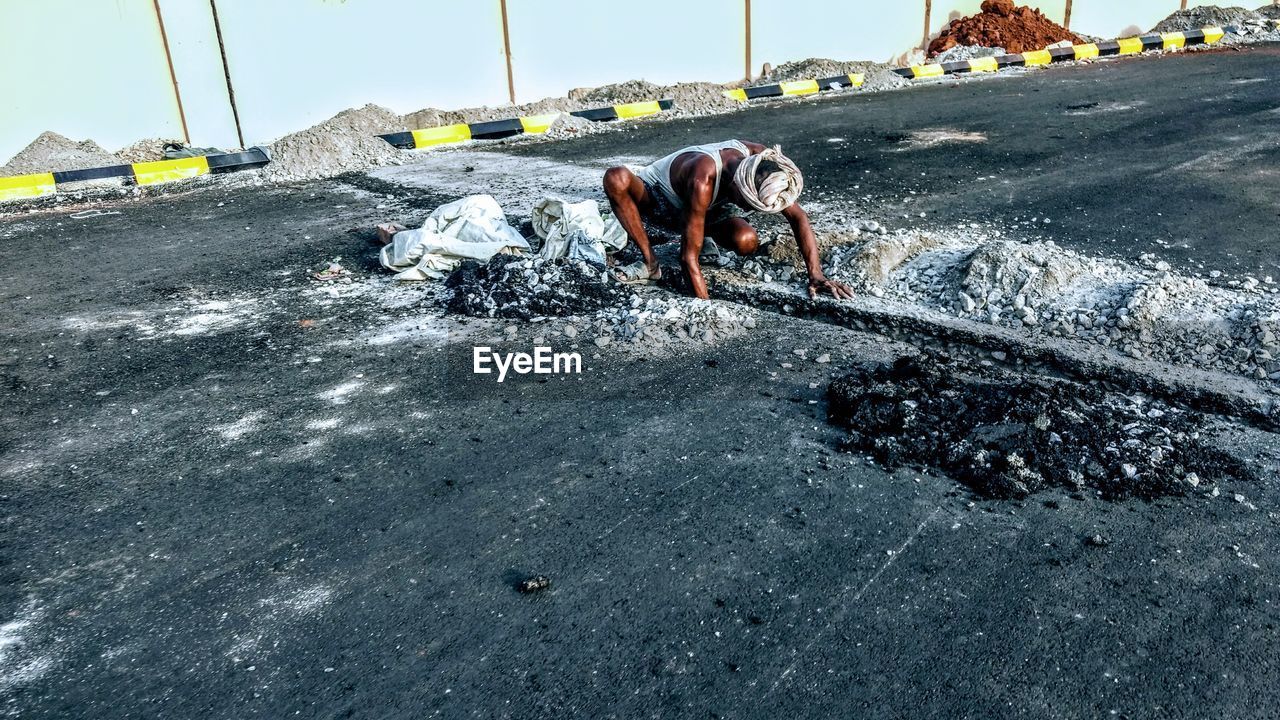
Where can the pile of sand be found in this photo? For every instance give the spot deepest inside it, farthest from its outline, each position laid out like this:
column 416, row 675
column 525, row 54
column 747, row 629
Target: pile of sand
column 345, row 142
column 52, row 152
column 877, row 76
column 1002, row 24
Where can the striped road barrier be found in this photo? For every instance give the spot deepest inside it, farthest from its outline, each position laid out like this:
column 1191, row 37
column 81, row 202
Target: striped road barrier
column 144, row 173
column 1083, row 51
column 796, row 87
column 531, row 125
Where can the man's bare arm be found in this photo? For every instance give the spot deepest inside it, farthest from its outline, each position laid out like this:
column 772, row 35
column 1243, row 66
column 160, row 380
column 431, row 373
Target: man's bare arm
column 694, row 229
column 808, row 246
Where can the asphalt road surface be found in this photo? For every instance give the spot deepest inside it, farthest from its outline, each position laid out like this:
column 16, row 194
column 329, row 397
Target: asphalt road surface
column 230, row 492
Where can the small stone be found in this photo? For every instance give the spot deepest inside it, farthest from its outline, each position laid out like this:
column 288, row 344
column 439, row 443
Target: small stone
column 1096, row 540
column 824, row 358
column 999, row 355
column 570, row 331
column 602, row 340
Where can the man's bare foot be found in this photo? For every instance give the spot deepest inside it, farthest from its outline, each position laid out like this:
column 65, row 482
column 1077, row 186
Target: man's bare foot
column 386, row 231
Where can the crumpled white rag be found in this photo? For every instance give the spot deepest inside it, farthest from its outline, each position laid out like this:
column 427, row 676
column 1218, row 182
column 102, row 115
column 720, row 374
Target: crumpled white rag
column 575, row 230
column 473, row 228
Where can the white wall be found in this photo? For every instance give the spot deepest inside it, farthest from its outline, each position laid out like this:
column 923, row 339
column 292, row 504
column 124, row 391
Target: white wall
column 83, row 69
column 783, row 30
column 297, row 62
column 1112, row 19
column 557, row 45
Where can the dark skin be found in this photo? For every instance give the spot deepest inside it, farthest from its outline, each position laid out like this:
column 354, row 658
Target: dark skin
column 693, row 175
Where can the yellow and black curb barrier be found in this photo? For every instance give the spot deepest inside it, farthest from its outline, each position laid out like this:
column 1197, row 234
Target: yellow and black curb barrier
column 531, row 125
column 796, row 87
column 144, row 173
column 1083, row 51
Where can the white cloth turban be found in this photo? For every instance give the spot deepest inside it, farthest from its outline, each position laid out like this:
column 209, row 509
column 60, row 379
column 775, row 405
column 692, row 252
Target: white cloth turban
column 778, row 191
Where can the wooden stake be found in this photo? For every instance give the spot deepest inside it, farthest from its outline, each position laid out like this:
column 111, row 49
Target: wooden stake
column 747, row 26
column 173, row 76
column 928, row 10
column 506, row 49
column 226, row 71
column 1066, row 19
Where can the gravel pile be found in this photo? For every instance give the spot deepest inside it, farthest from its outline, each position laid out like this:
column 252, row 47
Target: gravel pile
column 1002, row 24
column 52, row 152
column 145, row 150
column 1141, row 309
column 968, row 52
column 345, row 142
column 692, row 98
column 1212, row 16
column 877, row 76
column 515, row 286
column 660, row 326
column 1269, row 11
column 1010, row 437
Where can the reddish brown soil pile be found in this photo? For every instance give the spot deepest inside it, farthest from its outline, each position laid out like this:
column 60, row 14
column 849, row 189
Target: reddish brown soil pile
column 1002, row 24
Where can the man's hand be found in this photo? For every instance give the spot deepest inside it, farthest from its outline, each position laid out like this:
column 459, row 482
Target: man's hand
column 824, row 285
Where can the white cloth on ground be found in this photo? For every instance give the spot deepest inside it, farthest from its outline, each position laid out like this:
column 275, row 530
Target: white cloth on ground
column 576, row 230
column 473, row 228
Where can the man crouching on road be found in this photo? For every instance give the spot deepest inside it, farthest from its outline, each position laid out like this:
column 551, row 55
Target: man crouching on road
column 691, row 191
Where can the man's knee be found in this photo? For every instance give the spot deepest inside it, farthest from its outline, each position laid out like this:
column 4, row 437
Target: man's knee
column 747, row 240
column 617, row 181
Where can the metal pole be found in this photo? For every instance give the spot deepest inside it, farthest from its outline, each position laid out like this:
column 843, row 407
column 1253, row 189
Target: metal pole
column 928, row 10
column 1066, row 20
column 506, row 49
column 226, row 71
column 173, row 76
column 747, row 26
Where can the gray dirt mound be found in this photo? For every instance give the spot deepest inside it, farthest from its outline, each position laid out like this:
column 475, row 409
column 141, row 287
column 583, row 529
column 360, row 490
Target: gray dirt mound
column 52, row 152
column 1013, row 436
column 1024, row 275
column 878, row 76
column 512, row 286
column 1209, row 16
column 345, row 142
column 1271, row 12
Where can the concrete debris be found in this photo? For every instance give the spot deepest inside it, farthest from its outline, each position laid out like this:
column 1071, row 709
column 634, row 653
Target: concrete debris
column 345, row 142
column 513, row 286
column 1008, row 436
column 1002, row 24
column 658, row 326
column 960, row 53
column 51, row 152
column 876, row 76
column 1142, row 310
column 533, row 584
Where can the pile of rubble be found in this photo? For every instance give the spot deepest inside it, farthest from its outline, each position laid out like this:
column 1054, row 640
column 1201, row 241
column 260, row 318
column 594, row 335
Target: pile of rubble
column 345, row 142
column 1011, row 436
column 51, row 152
column 1002, row 24
column 1143, row 310
column 656, row 325
column 523, row 287
column 1213, row 16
